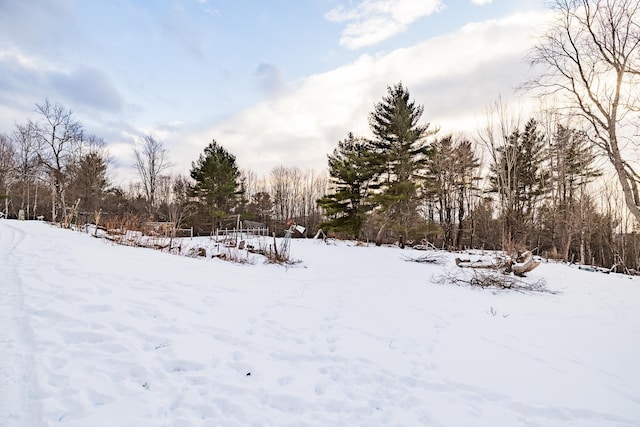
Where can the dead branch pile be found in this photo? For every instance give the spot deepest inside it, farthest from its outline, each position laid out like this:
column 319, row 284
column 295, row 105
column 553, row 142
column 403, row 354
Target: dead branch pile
column 429, row 258
column 524, row 263
column 492, row 279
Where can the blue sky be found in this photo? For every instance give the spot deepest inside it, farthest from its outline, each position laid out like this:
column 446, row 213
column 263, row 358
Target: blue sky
column 275, row 82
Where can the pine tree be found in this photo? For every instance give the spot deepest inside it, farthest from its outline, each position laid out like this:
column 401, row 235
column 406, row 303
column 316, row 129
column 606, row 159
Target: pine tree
column 89, row 180
column 572, row 169
column 351, row 176
column 217, row 185
column 519, row 178
column 401, row 151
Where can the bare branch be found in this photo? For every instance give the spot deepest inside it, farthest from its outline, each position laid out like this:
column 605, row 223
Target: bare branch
column 590, row 59
column 151, row 161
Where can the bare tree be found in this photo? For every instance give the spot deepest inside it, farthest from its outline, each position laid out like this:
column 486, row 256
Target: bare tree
column 315, row 186
column 290, row 193
column 453, row 170
column 286, row 187
column 151, row 161
column 7, row 168
column 250, row 183
column 180, row 208
column 25, row 143
column 591, row 61
column 58, row 135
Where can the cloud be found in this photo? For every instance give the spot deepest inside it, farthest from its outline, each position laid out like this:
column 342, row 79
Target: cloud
column 39, row 25
column 26, row 80
column 269, row 79
column 372, row 21
column 481, row 2
column 455, row 77
column 19, row 75
column 88, row 86
column 25, row 76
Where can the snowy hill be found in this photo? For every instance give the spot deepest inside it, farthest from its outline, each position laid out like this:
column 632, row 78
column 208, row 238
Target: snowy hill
column 94, row 334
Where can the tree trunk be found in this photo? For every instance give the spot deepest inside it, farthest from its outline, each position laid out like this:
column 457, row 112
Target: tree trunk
column 53, row 205
column 381, row 233
column 626, row 181
column 566, row 245
column 582, row 245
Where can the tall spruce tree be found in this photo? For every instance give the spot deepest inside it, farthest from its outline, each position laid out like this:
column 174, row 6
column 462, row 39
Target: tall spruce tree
column 217, row 184
column 400, row 154
column 519, row 178
column 351, row 176
column 572, row 169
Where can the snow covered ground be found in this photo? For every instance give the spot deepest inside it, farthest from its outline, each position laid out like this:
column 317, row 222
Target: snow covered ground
column 94, row 334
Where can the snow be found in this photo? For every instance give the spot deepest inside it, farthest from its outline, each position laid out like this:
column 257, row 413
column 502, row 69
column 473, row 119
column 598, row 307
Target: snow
column 96, row 334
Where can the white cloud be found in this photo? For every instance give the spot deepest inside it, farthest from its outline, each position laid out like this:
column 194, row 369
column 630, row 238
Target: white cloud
column 455, row 77
column 373, row 21
column 481, row 2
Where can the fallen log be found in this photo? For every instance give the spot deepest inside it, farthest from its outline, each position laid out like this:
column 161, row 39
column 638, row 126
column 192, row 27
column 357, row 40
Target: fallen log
column 523, row 264
column 494, row 264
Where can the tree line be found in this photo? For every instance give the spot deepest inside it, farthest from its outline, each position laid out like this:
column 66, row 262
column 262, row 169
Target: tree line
column 406, row 184
column 534, row 190
column 534, row 183
column 51, row 168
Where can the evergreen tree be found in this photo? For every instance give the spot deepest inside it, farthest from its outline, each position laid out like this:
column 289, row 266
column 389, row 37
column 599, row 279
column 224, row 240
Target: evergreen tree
column 572, row 169
column 260, row 207
column 217, row 185
column 89, row 180
column 519, row 178
column 400, row 153
column 351, row 176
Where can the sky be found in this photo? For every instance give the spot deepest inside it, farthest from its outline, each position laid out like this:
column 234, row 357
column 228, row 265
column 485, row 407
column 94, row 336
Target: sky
column 276, row 83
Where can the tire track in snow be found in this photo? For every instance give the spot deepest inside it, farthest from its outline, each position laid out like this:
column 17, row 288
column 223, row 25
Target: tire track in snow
column 17, row 403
